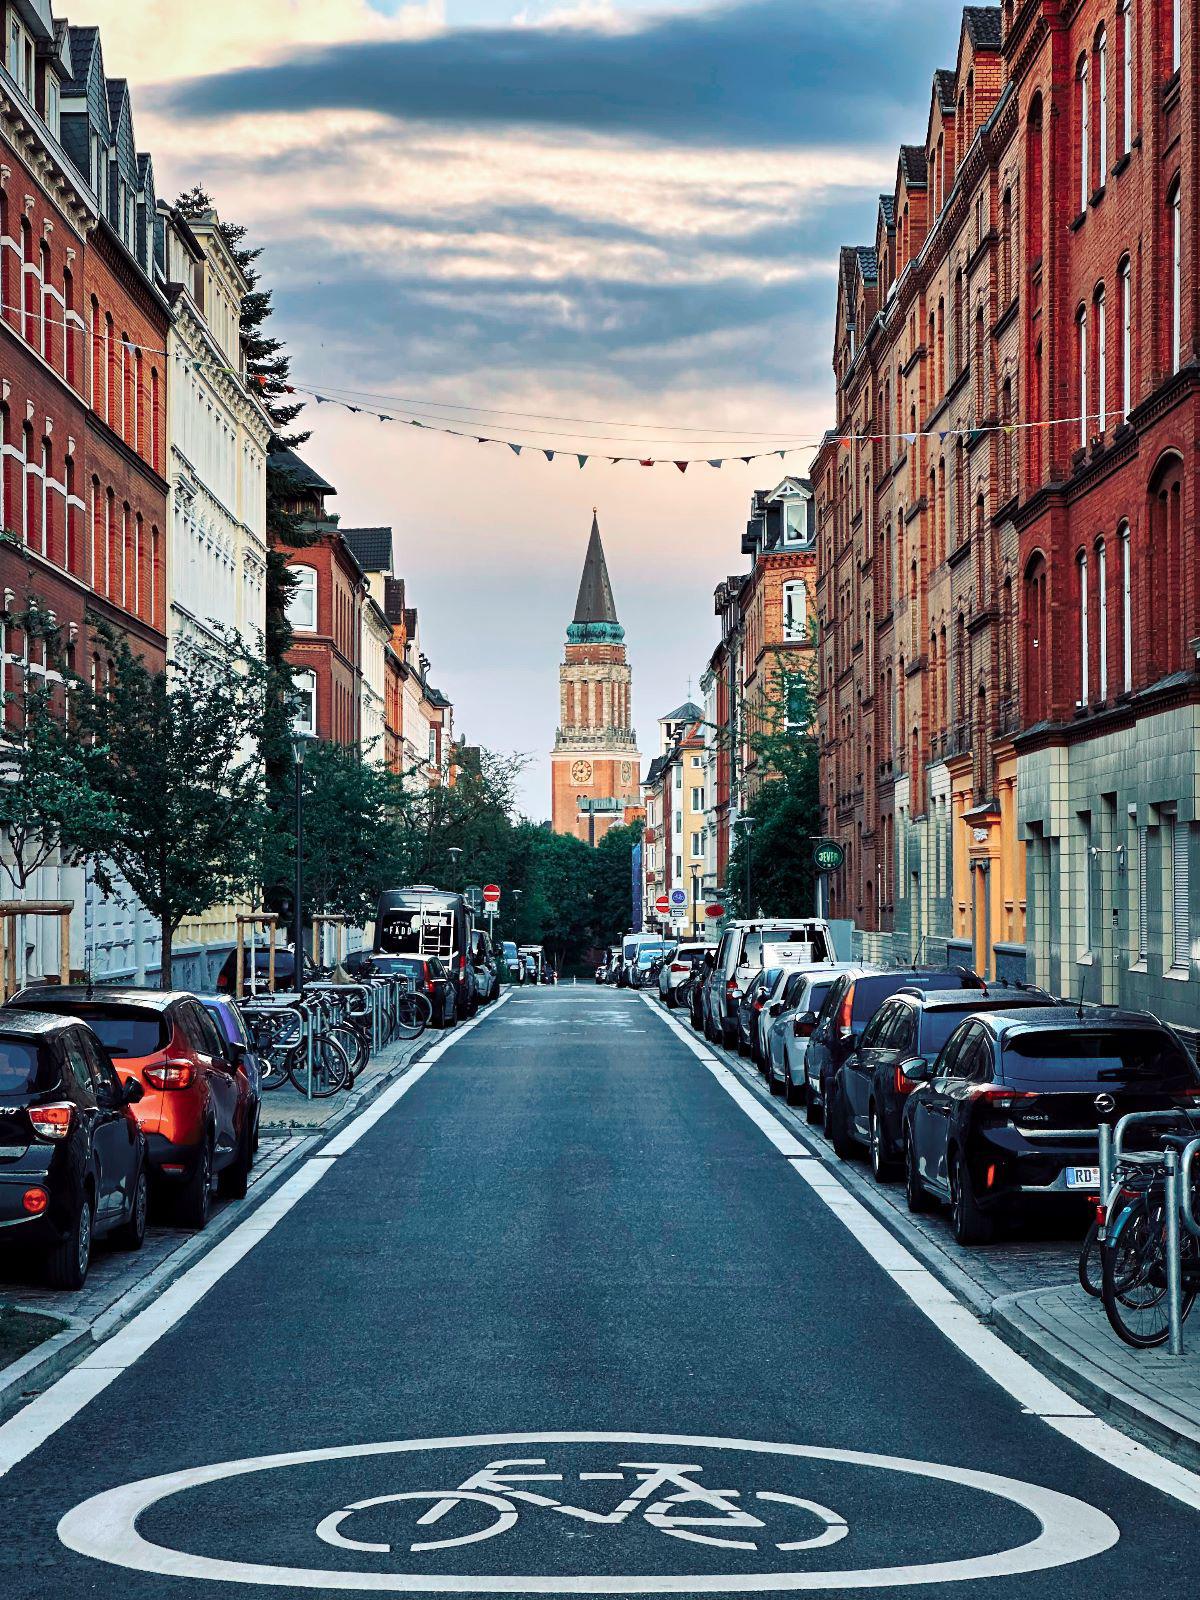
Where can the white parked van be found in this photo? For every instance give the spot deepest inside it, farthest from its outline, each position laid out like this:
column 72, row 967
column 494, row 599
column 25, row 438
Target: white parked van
column 746, row 948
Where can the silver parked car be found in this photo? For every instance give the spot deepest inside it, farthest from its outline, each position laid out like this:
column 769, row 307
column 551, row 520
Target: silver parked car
column 790, row 1021
column 678, row 968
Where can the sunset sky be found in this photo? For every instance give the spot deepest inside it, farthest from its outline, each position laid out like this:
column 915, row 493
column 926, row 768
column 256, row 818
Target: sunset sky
column 619, row 211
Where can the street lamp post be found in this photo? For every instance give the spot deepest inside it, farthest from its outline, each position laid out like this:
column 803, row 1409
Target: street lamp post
column 454, row 851
column 300, row 743
column 748, row 824
column 696, row 871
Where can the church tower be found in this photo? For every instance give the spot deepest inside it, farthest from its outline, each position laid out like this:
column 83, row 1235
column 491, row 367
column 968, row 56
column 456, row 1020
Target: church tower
column 595, row 762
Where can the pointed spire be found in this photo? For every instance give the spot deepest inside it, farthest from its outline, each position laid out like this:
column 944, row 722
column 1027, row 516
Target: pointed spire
column 595, row 602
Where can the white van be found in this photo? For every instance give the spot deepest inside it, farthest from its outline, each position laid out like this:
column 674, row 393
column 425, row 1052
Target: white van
column 747, row 947
column 630, row 945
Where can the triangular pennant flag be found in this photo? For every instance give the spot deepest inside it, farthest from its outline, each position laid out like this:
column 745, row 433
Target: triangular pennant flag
column 319, row 398
column 782, row 454
column 747, row 459
column 682, row 465
column 718, row 462
column 909, row 438
column 415, row 423
column 549, row 454
column 515, row 448
column 647, row 463
column 582, row 460
column 355, row 409
column 1010, row 428
column 943, row 435
column 383, row 417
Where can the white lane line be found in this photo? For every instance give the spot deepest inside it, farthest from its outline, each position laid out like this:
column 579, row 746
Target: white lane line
column 1034, row 1392
column 63, row 1400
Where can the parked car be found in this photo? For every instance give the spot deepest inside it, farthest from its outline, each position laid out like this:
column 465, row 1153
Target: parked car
column 746, row 948
column 241, row 1046
column 419, row 920
column 792, row 1018
column 875, row 1079
column 683, row 959
column 644, row 968
column 72, row 1155
column 533, row 958
column 852, row 1001
column 512, row 962
column 427, row 975
column 697, row 989
column 1006, row 1120
column 484, row 967
column 259, row 980
column 195, row 1108
column 750, row 1005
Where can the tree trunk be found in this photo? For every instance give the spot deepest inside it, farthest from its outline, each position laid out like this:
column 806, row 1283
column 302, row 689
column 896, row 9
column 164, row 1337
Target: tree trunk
column 168, row 936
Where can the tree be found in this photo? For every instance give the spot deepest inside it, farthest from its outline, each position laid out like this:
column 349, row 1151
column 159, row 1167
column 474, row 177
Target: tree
column 177, row 753
column 785, row 803
column 49, row 810
column 612, row 894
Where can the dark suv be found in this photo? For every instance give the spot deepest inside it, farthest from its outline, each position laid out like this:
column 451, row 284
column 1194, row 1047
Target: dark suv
column 853, row 999
column 72, row 1156
column 1007, row 1117
column 903, row 1038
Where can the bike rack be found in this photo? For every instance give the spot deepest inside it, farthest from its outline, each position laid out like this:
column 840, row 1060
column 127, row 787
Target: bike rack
column 1177, row 1202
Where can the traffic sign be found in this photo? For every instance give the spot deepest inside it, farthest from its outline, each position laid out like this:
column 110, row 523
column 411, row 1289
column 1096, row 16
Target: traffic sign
column 662, row 905
column 491, row 894
column 828, row 855
column 678, row 898
column 714, row 912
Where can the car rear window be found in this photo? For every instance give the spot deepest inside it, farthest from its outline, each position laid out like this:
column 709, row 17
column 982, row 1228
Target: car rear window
column 1094, row 1058
column 870, row 993
column 24, row 1069
column 816, row 996
column 398, row 967
column 937, row 1026
column 125, row 1031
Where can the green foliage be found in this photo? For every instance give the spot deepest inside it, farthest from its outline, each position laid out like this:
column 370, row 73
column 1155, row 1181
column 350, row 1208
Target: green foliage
column 785, row 803
column 177, row 754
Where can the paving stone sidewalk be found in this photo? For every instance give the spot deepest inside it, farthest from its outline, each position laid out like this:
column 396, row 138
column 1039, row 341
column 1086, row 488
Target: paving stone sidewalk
column 285, row 1110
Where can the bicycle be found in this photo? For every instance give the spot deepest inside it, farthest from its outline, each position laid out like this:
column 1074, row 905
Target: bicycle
column 665, row 1494
column 1134, row 1249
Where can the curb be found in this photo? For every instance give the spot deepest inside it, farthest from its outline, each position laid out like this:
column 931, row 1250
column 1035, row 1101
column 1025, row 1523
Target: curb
column 1017, row 1327
column 46, row 1362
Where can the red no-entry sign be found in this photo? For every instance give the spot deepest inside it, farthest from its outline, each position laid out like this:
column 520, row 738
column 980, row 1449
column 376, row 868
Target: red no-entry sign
column 663, row 905
column 491, row 894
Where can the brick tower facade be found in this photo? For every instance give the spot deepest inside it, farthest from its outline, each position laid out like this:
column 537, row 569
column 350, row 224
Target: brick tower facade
column 595, row 761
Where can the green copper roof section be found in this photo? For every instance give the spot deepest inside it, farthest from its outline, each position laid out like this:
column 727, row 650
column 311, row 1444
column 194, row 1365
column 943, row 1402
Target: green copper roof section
column 595, row 610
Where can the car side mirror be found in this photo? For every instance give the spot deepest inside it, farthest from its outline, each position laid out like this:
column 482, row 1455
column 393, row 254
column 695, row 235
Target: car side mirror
column 916, row 1069
column 776, row 1007
column 133, row 1092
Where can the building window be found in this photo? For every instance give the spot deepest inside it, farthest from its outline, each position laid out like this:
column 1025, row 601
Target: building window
column 1126, row 610
column 1123, row 273
column 1084, row 125
column 795, row 611
column 1181, row 944
column 796, row 522
column 698, row 799
column 1102, row 103
column 1176, row 9
column 1085, row 909
column 1125, row 13
column 1081, row 340
column 1176, row 247
column 305, row 701
column 1101, row 359
column 1082, row 566
column 302, row 602
column 697, row 844
column 1143, row 891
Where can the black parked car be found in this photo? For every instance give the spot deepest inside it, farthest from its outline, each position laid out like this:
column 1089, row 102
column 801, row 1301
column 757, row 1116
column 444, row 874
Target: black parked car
column 855, row 996
column 1007, row 1117
column 904, row 1036
column 750, row 1003
column 72, row 1156
column 285, row 971
column 701, row 973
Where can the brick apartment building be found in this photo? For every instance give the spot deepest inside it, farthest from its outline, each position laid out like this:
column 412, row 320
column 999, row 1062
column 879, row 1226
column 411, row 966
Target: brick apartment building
column 767, row 637
column 1010, row 613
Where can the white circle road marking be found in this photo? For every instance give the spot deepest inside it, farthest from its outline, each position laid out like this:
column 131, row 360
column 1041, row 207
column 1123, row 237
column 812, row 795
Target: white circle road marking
column 105, row 1528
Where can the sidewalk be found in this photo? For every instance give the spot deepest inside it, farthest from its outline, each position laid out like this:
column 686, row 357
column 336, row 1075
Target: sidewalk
column 285, row 1110
column 1026, row 1289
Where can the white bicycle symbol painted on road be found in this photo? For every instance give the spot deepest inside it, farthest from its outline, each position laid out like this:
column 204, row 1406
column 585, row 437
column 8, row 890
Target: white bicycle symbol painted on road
column 665, row 1494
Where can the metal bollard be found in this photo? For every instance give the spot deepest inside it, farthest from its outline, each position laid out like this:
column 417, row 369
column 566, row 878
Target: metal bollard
column 1174, row 1287
column 1106, row 1135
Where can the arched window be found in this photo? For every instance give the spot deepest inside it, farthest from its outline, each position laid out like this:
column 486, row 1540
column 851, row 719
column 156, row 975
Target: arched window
column 44, row 306
column 1081, row 355
column 302, row 602
column 1006, row 246
column 1123, row 276
column 110, row 362
column 1083, row 130
column 26, row 486
column 1102, row 618
column 1175, row 249
column 1125, row 111
column 1101, row 67
column 29, row 298
column 1174, row 23
column 70, row 332
column 1101, row 359
column 1035, row 675
column 304, row 697
column 70, row 519
column 1164, row 548
column 1081, row 568
column 1126, row 608
column 1034, row 180
column 48, row 524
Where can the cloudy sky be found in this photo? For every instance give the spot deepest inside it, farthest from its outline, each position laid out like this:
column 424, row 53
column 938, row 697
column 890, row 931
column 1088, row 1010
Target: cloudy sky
column 616, row 212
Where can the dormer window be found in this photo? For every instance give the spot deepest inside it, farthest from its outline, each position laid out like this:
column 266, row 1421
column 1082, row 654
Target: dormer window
column 795, row 522
column 20, row 57
column 52, row 104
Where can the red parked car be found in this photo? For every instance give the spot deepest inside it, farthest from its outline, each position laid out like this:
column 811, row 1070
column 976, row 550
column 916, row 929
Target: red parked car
column 196, row 1108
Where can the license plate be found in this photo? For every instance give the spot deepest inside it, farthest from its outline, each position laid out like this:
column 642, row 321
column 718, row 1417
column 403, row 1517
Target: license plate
column 1083, row 1177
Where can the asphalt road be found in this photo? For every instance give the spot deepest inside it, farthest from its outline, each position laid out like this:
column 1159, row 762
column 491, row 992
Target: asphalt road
column 568, row 1228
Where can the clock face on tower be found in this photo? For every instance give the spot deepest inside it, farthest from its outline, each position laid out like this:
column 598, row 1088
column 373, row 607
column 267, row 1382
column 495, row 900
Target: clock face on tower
column 581, row 772
column 626, row 771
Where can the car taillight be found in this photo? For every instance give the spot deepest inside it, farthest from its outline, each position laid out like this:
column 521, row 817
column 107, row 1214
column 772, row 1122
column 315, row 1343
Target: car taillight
column 904, row 1084
column 35, row 1201
column 170, row 1075
column 758, row 1004
column 802, row 1030
column 53, row 1121
column 222, row 981
column 1002, row 1099
column 680, row 966
column 731, row 989
column 846, row 1013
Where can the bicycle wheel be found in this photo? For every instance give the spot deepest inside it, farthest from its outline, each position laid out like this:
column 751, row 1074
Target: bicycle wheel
column 330, row 1067
column 353, row 1043
column 413, row 1012
column 1091, row 1271
column 273, row 1068
column 1134, row 1282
